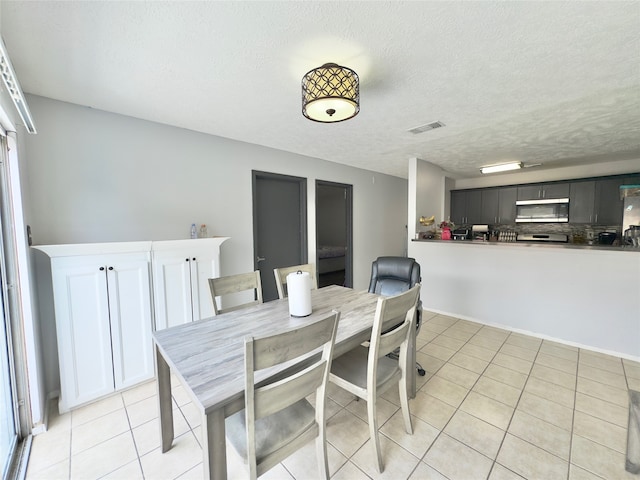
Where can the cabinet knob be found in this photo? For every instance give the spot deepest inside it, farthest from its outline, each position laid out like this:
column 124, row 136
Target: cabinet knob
column 102, row 269
column 186, row 259
column 110, row 268
column 194, row 259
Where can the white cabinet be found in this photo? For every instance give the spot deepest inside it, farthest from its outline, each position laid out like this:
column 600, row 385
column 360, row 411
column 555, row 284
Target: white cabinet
column 181, row 270
column 102, row 305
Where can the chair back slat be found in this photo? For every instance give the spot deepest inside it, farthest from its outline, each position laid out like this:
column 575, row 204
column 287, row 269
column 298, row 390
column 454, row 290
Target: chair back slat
column 281, row 277
column 273, row 398
column 235, row 284
column 288, row 345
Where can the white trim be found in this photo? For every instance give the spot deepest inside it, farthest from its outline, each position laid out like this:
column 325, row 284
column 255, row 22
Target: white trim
column 13, row 88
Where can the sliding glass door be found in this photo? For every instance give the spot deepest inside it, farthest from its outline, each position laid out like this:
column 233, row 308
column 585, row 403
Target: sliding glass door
column 8, row 434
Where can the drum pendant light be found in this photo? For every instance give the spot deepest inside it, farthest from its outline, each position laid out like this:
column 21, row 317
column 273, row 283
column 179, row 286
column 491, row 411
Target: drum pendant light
column 330, row 94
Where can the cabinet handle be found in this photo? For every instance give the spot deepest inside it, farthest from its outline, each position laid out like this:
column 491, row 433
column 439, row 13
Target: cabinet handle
column 102, row 269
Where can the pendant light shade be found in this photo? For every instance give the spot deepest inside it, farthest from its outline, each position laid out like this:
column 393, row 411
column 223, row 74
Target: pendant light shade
column 330, row 93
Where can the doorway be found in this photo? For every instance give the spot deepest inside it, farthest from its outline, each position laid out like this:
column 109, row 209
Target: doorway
column 279, row 225
column 334, row 233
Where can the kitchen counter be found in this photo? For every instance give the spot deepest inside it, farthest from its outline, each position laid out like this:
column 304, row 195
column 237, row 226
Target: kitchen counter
column 581, row 295
column 579, row 246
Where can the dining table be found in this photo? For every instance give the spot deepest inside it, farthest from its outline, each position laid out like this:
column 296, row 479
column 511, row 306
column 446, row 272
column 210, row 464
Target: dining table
column 207, row 357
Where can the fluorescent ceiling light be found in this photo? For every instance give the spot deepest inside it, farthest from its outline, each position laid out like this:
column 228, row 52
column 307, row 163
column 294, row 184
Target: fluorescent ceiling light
column 502, row 167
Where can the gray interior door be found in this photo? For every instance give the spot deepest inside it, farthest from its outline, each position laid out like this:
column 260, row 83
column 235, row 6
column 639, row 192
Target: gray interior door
column 279, row 225
column 334, row 233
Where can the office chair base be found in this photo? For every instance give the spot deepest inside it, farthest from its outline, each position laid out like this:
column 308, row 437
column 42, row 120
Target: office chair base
column 421, row 370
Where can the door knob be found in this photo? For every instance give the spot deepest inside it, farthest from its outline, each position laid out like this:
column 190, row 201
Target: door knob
column 260, row 259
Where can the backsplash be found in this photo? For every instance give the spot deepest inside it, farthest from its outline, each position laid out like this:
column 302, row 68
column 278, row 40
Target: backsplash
column 576, row 233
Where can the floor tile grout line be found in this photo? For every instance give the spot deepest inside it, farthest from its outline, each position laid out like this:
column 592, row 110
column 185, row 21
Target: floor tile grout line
column 133, row 438
column 458, row 407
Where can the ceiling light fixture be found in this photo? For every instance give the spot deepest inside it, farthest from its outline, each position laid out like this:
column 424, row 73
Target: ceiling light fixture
column 330, row 94
column 501, row 168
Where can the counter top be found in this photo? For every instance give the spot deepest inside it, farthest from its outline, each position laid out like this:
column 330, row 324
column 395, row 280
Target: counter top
column 576, row 246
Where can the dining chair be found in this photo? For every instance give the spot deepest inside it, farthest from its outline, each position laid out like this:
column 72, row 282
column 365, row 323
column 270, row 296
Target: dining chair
column 368, row 372
column 278, row 419
column 235, row 284
column 281, row 277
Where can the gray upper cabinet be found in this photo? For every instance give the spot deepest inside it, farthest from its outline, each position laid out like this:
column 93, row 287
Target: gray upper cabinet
column 466, row 206
column 498, row 205
column 490, row 202
column 581, row 202
column 541, row 191
column 608, row 205
column 507, row 204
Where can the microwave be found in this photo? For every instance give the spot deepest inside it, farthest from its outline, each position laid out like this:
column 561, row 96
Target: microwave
column 552, row 210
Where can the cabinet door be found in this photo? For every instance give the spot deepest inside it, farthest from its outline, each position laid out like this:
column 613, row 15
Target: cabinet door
column 581, row 202
column 507, row 204
column 82, row 327
column 204, row 265
column 556, row 190
column 529, row 192
column 608, row 206
column 490, row 201
column 458, row 206
column 474, row 207
column 172, row 288
column 130, row 314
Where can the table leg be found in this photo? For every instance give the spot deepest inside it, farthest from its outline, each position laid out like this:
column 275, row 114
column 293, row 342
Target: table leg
column 164, row 401
column 214, row 445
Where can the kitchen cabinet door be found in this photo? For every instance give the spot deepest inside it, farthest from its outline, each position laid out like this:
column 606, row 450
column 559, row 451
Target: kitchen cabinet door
column 458, row 206
column 131, row 321
column 556, row 190
column 541, row 191
column 81, row 308
column 473, row 207
column 181, row 272
column 581, row 202
column 102, row 307
column 172, row 288
column 529, row 192
column 490, row 203
column 608, row 206
column 507, row 204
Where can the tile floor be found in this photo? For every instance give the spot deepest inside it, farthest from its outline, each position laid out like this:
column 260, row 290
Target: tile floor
column 493, row 404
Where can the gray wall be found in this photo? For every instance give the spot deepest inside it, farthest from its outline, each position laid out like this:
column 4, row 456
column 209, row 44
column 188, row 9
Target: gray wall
column 101, row 177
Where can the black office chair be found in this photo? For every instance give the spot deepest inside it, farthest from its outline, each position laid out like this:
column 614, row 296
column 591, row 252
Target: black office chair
column 394, row 275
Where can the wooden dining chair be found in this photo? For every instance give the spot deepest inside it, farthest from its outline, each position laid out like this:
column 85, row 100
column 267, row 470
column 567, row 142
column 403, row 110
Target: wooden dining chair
column 368, row 372
column 278, row 419
column 235, row 284
column 281, row 277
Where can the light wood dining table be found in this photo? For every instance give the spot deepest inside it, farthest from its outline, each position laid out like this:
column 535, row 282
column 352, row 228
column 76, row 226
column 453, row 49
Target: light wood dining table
column 207, row 356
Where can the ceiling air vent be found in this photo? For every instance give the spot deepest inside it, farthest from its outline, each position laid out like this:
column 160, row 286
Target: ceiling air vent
column 426, row 127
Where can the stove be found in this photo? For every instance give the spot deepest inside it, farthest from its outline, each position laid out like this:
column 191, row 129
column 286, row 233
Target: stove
column 542, row 237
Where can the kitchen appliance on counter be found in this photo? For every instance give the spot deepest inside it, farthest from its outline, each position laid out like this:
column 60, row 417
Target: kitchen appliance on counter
column 607, row 238
column 542, row 237
column 480, row 232
column 461, row 234
column 553, row 210
column 630, row 194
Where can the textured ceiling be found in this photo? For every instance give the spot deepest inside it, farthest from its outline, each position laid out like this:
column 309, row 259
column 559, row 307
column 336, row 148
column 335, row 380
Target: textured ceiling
column 556, row 83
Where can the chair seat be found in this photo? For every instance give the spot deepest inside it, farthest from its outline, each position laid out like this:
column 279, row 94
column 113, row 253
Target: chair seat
column 352, row 368
column 271, row 432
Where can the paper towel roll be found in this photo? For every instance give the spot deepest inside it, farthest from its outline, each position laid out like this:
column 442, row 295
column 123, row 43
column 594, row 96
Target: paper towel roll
column 480, row 228
column 299, row 293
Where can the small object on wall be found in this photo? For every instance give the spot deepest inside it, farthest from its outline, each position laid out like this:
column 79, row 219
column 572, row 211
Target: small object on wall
column 203, row 231
column 29, row 239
